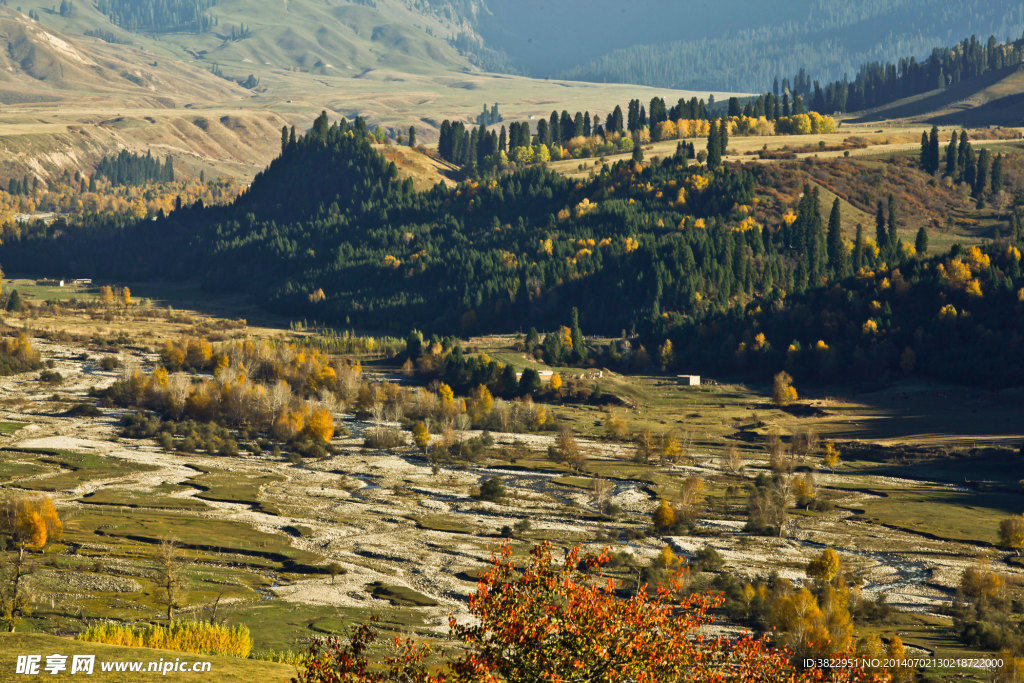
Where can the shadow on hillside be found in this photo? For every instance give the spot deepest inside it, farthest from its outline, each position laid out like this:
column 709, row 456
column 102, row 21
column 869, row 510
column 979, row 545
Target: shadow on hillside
column 942, row 99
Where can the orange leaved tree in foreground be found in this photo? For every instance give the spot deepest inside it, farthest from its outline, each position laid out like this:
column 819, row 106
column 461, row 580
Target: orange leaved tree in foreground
column 562, row 622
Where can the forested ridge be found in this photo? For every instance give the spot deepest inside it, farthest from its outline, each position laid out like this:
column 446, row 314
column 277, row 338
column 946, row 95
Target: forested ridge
column 879, row 83
column 707, row 258
column 827, row 38
column 159, row 16
column 135, row 169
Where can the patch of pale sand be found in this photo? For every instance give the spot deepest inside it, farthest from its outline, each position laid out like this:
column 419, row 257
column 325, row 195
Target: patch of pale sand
column 64, row 443
column 633, row 499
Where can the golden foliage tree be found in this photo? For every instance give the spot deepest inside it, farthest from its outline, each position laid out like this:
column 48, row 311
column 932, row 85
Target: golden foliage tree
column 664, row 516
column 805, row 490
column 830, row 456
column 825, row 566
column 783, row 391
column 321, row 425
column 421, row 435
column 27, row 522
column 1011, row 533
column 615, row 426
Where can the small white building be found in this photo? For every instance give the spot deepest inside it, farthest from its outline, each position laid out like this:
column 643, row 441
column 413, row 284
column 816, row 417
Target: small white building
column 689, row 380
column 545, row 375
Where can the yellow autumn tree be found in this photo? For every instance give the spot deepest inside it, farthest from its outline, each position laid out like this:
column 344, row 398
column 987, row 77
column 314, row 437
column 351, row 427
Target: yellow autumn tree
column 783, row 391
column 830, row 456
column 1011, row 533
column 27, row 522
column 666, row 355
column 481, row 402
column 556, row 381
column 421, row 435
column 825, row 566
column 664, row 516
column 320, row 425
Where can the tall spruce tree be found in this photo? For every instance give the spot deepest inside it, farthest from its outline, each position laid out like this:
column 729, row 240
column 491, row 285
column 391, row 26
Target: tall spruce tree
column 881, row 237
column 921, row 241
column 981, row 177
column 951, row 157
column 858, row 249
column 961, row 155
column 723, row 135
column 933, row 151
column 997, row 174
column 579, row 346
column 891, row 226
column 836, row 253
column 923, row 160
column 714, row 147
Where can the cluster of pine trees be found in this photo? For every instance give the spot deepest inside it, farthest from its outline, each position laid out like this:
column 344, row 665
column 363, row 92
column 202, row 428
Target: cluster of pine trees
column 135, row 169
column 674, row 251
column 481, row 149
column 879, row 83
column 982, row 173
column 828, row 37
column 160, row 16
column 489, row 117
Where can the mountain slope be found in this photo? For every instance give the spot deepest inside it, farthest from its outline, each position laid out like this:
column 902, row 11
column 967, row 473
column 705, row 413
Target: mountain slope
column 730, row 44
column 995, row 98
column 40, row 64
column 245, row 36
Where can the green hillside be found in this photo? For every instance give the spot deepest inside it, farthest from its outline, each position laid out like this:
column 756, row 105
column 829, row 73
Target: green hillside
column 330, row 233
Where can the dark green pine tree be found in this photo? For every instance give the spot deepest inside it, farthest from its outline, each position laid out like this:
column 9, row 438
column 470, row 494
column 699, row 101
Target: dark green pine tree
column 858, row 249
column 284, row 139
column 509, row 383
column 970, row 171
column 815, row 246
column 997, row 174
column 579, row 345
column 922, row 160
column 529, row 382
column 961, row 155
column 921, row 241
column 412, row 136
column 837, row 262
column 638, row 151
column 714, row 147
column 881, row 237
column 291, row 137
column 723, row 135
column 532, row 340
column 951, row 157
column 1016, row 227
column 14, row 302
column 981, row 177
column 933, row 151
column 891, row 227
